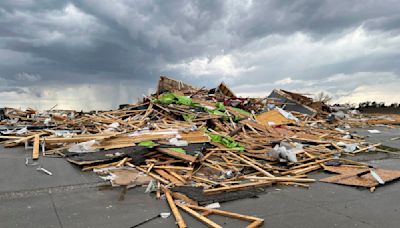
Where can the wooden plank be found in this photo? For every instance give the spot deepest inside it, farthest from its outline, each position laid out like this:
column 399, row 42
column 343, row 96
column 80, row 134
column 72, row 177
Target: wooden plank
column 153, row 175
column 256, row 222
column 310, row 164
column 365, row 149
column 169, row 177
column 10, row 137
column 175, row 154
column 177, row 176
column 178, row 217
column 284, row 179
column 173, row 167
column 12, row 143
column 36, row 144
column 306, row 170
column 237, row 187
column 200, row 217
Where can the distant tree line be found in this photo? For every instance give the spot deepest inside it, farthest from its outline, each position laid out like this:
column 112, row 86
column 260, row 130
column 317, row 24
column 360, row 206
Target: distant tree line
column 373, row 104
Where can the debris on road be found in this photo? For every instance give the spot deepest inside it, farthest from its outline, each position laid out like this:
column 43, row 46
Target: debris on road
column 200, row 146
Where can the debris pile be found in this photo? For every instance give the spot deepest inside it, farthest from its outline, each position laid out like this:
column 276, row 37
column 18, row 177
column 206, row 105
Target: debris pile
column 199, row 146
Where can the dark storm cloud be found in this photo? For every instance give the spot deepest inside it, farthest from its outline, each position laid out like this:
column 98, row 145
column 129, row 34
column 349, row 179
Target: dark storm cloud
column 314, row 16
column 112, row 44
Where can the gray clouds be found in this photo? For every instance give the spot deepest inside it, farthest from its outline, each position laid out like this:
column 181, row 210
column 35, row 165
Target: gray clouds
column 88, row 54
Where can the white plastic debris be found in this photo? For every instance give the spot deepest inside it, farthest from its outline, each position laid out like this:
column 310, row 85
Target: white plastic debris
column 44, row 171
column 347, row 136
column 213, row 205
column 374, row 131
column 354, row 112
column 151, row 187
column 47, row 121
column 177, row 142
column 112, row 127
column 339, row 114
column 376, row 177
column 288, row 115
column 63, row 133
column 270, row 106
column 287, row 152
column 12, row 121
column 83, row 147
column 348, row 147
column 8, row 132
column 29, row 161
column 22, row 131
column 340, row 130
column 371, row 148
column 229, row 174
column 165, row 215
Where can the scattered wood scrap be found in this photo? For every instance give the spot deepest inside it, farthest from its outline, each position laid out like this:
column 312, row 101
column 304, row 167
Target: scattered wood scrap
column 200, row 145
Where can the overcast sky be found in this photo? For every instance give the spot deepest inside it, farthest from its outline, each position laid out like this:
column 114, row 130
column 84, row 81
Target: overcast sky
column 96, row 54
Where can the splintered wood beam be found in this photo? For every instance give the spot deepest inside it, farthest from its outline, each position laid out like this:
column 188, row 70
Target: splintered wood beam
column 122, row 162
column 169, row 177
column 200, row 217
column 255, row 222
column 36, row 144
column 12, row 143
column 153, row 175
column 310, row 164
column 10, row 137
column 178, row 217
column 177, row 176
column 282, row 179
column 173, row 167
column 305, row 170
column 366, row 148
column 237, row 187
column 175, row 154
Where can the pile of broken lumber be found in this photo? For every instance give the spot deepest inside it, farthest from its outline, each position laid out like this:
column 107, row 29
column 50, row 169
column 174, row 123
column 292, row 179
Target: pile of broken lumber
column 184, row 139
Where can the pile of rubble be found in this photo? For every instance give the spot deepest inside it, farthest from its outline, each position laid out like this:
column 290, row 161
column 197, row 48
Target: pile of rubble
column 198, row 146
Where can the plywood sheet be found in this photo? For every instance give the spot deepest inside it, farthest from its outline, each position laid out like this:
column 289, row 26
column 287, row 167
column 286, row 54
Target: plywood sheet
column 273, row 117
column 348, row 176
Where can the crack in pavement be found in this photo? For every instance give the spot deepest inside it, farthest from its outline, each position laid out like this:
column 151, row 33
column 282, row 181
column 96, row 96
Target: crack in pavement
column 55, row 209
column 56, row 189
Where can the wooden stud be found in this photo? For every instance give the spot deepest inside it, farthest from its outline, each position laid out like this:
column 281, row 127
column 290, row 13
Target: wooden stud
column 200, row 217
column 237, row 187
column 178, row 217
column 282, row 179
column 256, row 222
column 36, row 144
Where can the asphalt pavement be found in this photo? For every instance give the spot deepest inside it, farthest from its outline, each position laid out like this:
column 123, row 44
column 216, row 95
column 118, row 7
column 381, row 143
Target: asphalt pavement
column 71, row 198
